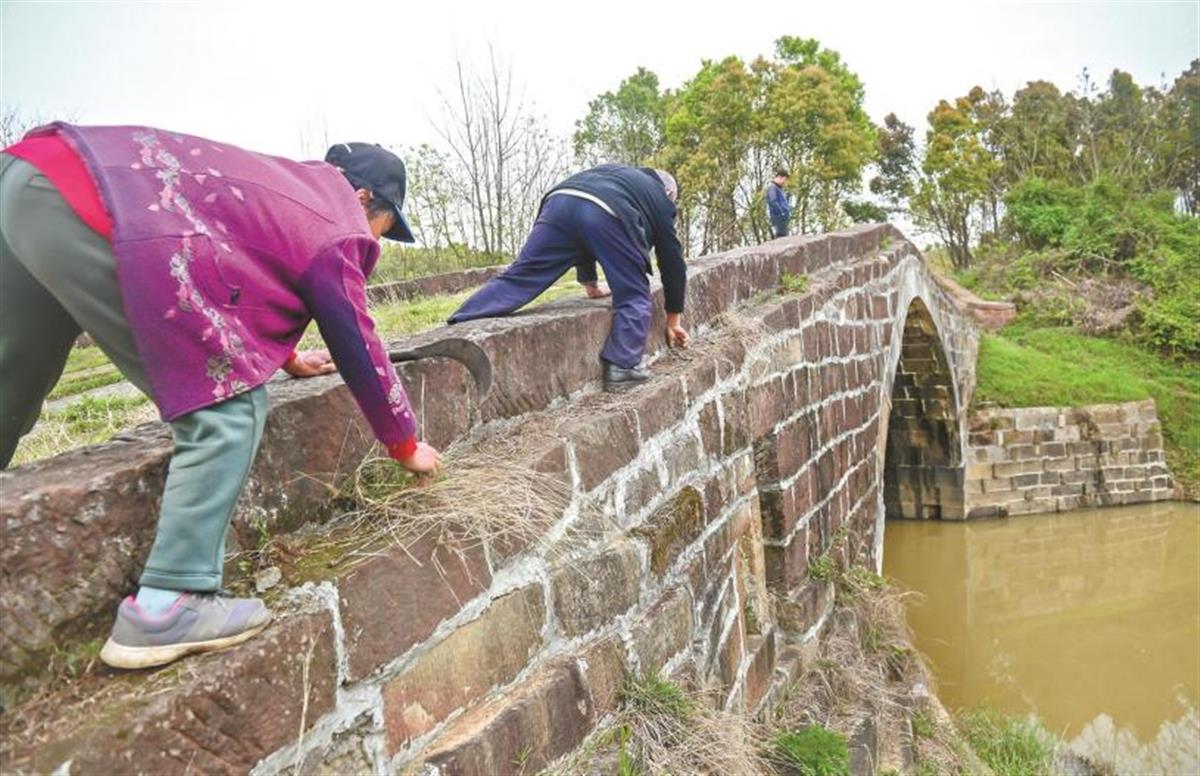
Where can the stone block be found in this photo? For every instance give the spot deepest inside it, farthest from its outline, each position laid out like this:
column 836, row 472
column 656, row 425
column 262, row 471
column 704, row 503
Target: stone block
column 672, row 528
column 979, row 471
column 589, row 592
column 735, row 422
column 419, row 586
column 664, row 630
column 659, row 405
column 545, row 717
column 482, row 654
column 641, row 489
column 218, row 714
column 604, row 672
column 804, row 607
column 769, row 403
column 710, row 429
column 603, row 445
column 762, row 649
column 682, row 457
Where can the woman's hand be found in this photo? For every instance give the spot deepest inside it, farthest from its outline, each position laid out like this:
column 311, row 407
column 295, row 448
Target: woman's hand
column 677, row 336
column 310, row 363
column 424, row 460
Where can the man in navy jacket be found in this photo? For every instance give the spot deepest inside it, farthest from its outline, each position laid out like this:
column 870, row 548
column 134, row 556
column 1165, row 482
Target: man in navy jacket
column 779, row 210
column 615, row 215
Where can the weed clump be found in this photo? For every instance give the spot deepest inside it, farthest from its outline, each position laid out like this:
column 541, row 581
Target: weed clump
column 813, row 751
column 1011, row 746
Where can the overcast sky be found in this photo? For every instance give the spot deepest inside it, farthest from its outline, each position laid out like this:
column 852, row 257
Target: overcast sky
column 260, row 73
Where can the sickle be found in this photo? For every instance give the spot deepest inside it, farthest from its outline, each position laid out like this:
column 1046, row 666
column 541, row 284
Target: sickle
column 463, row 351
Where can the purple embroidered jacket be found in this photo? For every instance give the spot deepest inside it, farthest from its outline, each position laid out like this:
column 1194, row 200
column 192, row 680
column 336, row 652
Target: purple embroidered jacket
column 224, row 256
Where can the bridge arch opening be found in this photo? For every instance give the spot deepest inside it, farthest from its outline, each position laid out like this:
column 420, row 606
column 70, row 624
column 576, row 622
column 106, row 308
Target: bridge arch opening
column 923, row 467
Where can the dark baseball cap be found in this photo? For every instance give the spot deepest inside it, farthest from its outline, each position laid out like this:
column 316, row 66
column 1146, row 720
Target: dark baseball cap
column 371, row 166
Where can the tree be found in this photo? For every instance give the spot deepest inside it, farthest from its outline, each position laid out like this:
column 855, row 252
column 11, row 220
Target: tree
column 503, row 156
column 897, row 161
column 955, row 177
column 625, row 126
column 814, row 120
column 1182, row 115
column 708, row 134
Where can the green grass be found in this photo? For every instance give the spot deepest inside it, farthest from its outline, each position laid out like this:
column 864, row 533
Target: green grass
column 652, row 694
column 1010, row 746
column 88, row 421
column 1029, row 366
column 397, row 262
column 793, row 284
column 814, row 751
column 92, row 420
column 408, row 317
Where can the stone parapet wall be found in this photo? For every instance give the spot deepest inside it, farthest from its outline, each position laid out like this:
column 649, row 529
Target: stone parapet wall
column 989, row 315
column 694, row 507
column 431, row 285
column 1052, row 459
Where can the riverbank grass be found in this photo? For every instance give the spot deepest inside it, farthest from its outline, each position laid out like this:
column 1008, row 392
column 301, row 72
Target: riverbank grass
column 1009, row 745
column 1026, row 365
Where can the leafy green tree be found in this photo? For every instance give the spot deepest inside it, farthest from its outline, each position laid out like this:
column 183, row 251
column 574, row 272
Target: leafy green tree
column 624, row 126
column 956, row 174
column 897, row 161
column 709, row 132
column 1182, row 115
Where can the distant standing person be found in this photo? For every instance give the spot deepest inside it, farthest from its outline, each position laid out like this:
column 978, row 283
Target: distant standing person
column 195, row 266
column 779, row 210
column 615, row 215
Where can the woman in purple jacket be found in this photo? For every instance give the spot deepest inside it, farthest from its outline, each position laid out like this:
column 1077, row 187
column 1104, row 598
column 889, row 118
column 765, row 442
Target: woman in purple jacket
column 196, row 267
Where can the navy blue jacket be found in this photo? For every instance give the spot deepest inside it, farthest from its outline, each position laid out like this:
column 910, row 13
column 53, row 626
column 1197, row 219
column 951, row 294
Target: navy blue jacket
column 637, row 196
column 778, row 208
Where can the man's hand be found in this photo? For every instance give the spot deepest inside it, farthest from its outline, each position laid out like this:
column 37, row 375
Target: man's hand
column 595, row 290
column 677, row 336
column 310, row 363
column 424, row 460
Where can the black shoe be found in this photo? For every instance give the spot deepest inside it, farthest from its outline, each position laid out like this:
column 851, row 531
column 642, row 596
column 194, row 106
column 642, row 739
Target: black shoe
column 617, row 379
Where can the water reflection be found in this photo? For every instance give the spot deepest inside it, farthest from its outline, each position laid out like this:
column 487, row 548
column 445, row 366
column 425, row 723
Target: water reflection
column 1091, row 619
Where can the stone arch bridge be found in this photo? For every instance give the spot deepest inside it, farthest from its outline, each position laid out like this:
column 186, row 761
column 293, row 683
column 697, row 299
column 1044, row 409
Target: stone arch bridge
column 692, row 510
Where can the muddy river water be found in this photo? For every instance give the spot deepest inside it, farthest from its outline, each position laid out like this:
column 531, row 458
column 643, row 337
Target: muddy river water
column 1090, row 619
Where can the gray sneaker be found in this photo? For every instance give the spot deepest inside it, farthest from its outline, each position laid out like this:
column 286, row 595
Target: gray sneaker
column 194, row 623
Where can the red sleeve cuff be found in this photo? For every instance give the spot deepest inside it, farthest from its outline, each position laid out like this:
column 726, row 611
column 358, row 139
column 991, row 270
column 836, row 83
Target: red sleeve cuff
column 292, row 357
column 403, row 450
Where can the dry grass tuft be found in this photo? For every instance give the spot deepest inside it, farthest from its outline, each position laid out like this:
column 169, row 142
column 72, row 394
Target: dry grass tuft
column 488, row 492
column 661, row 729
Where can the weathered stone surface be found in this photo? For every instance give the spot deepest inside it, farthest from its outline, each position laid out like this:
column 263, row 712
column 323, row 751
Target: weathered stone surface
column 760, row 670
column 76, row 530
column 604, row 445
column 1042, row 467
column 542, row 719
column 209, row 718
column 418, row 587
column 805, row 607
column 604, row 672
column 659, row 405
column 672, row 528
column 480, row 655
column 664, row 631
column 590, row 592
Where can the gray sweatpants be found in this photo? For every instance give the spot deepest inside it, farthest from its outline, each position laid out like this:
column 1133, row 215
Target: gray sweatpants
column 57, row 278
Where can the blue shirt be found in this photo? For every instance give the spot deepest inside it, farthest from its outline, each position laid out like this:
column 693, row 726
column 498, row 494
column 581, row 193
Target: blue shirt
column 778, row 208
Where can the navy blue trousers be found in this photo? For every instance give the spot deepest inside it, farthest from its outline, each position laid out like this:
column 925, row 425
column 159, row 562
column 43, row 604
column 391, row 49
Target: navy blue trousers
column 571, row 232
